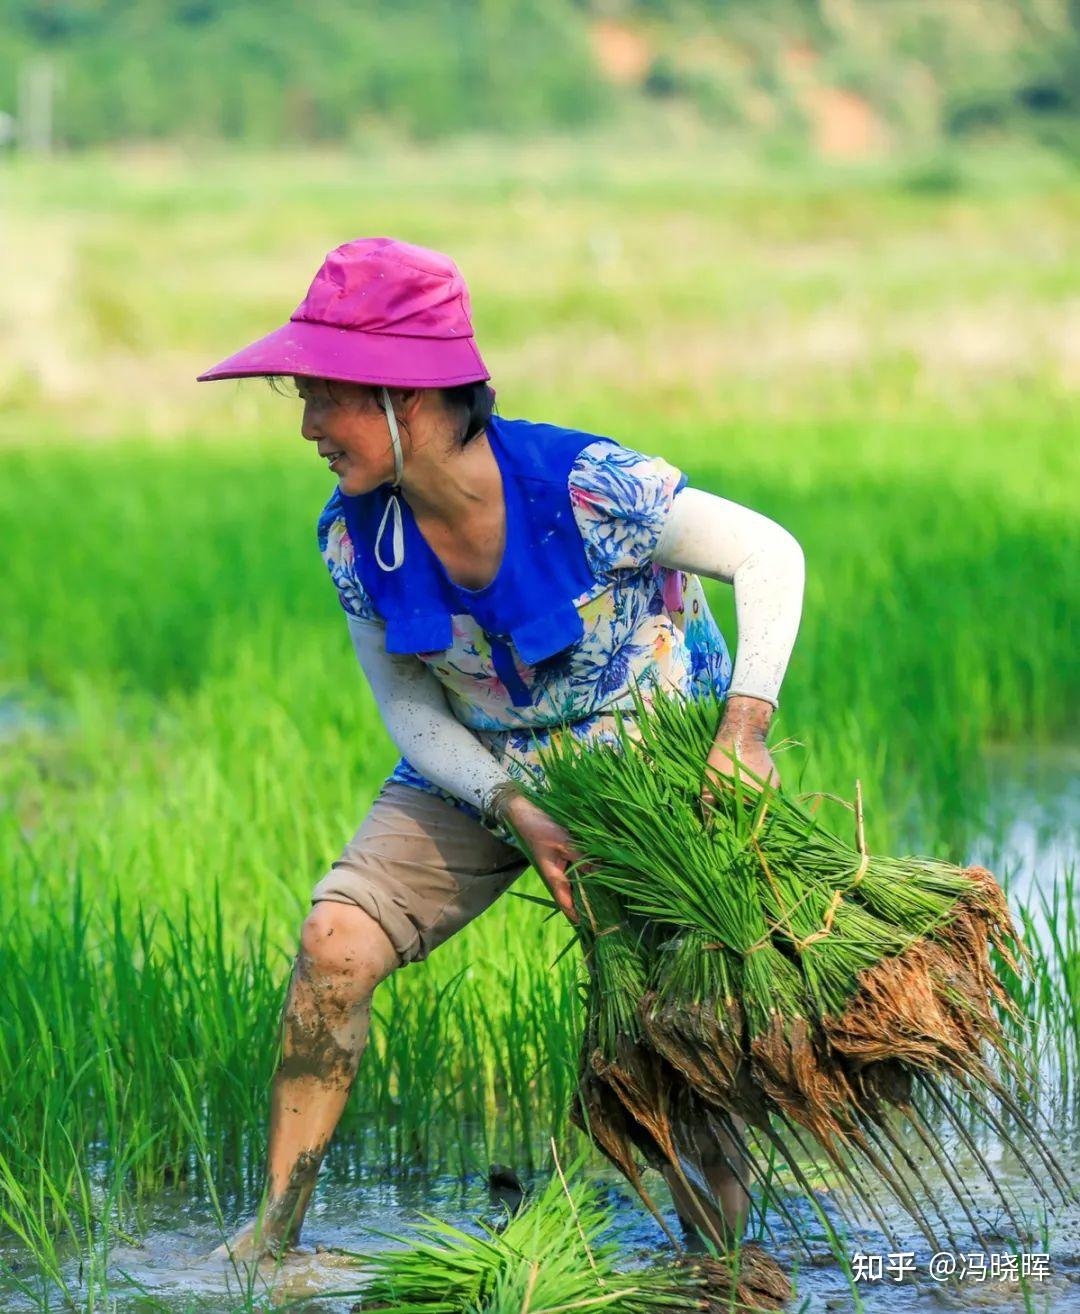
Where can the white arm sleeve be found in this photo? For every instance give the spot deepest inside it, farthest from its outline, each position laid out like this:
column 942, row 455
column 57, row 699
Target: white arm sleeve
column 418, row 719
column 708, row 535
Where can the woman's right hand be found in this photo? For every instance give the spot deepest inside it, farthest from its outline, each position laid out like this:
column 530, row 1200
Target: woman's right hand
column 549, row 846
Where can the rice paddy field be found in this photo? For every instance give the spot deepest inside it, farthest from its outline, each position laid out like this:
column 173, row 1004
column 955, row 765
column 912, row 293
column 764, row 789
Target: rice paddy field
column 885, row 360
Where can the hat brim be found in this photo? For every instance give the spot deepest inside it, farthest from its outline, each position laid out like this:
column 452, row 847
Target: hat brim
column 321, row 351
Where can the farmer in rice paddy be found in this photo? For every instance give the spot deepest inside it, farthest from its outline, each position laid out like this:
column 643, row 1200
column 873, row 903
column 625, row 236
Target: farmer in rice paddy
column 503, row 582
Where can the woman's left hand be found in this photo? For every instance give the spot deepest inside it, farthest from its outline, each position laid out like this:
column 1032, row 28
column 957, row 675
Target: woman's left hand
column 742, row 735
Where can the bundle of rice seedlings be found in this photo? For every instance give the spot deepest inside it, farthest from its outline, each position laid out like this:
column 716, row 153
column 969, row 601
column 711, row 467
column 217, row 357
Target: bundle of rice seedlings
column 556, row 1254
column 744, row 958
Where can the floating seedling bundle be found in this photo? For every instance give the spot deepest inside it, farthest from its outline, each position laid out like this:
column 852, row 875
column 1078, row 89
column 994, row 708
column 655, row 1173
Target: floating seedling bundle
column 752, row 973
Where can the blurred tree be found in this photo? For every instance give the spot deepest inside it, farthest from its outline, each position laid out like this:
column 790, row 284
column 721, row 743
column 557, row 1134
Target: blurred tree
column 275, row 72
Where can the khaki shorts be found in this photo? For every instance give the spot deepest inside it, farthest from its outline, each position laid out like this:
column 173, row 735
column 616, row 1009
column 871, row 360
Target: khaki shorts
column 421, row 868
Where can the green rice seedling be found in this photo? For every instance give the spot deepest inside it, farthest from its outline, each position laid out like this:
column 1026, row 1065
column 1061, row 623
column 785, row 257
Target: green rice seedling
column 618, row 1075
column 842, row 1001
column 1055, row 976
column 631, row 813
column 100, row 1016
column 68, row 1221
column 552, row 1256
column 894, row 903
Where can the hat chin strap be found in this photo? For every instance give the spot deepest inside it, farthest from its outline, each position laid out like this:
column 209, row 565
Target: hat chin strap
column 395, row 436
column 393, row 505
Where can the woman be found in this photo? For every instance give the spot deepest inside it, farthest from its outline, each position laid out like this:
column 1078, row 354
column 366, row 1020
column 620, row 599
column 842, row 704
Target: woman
column 502, row 581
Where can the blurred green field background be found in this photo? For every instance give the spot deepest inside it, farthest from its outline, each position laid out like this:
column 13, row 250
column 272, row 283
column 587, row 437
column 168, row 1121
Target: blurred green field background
column 888, row 370
column 883, row 357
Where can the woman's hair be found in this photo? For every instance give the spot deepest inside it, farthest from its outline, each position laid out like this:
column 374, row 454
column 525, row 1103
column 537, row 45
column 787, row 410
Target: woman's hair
column 476, row 401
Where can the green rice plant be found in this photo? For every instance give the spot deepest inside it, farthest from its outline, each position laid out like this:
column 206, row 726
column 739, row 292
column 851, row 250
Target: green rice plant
column 68, row 1221
column 552, row 1256
column 1056, row 973
column 106, row 1023
column 1044, row 1000
column 631, row 813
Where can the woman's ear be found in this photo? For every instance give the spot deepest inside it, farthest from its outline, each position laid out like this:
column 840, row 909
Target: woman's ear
column 406, row 401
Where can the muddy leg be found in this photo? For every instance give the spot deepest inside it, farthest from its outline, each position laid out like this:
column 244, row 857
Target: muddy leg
column 715, row 1154
column 343, row 956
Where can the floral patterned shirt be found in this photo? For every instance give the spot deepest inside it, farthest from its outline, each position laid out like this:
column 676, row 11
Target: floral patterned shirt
column 644, row 625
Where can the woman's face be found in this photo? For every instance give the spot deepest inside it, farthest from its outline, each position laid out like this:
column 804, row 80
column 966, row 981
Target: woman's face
column 348, row 423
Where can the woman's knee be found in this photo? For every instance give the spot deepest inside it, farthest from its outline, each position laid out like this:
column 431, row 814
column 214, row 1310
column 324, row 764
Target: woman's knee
column 339, row 940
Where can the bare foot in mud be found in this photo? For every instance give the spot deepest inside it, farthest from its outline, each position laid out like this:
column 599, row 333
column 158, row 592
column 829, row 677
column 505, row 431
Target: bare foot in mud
column 275, row 1231
column 255, row 1241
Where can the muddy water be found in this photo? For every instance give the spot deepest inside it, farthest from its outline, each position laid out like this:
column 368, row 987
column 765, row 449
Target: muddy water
column 1032, row 838
column 171, row 1269
column 1032, row 834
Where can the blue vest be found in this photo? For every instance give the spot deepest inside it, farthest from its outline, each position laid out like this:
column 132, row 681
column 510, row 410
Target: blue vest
column 530, row 602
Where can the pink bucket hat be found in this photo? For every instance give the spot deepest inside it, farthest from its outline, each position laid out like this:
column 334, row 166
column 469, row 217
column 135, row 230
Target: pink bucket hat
column 378, row 311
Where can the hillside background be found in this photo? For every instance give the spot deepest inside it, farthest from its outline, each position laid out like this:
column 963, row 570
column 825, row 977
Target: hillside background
column 838, row 77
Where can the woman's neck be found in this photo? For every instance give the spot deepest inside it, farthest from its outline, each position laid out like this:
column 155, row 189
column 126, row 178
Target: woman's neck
column 448, row 483
column 458, row 505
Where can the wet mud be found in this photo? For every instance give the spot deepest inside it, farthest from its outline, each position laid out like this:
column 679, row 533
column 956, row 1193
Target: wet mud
column 172, row 1272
